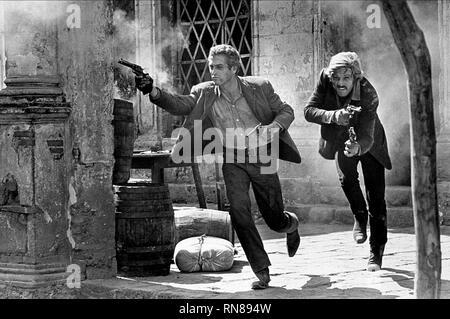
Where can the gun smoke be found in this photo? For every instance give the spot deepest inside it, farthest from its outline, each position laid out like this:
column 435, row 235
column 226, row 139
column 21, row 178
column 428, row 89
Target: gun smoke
column 384, row 67
column 129, row 34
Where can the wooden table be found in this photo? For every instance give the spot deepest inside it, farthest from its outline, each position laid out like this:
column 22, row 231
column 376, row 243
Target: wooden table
column 158, row 161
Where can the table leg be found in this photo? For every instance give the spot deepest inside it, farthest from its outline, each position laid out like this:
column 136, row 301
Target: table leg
column 157, row 174
column 198, row 185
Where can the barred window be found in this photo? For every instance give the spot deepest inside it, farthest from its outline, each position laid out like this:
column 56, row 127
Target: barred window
column 206, row 23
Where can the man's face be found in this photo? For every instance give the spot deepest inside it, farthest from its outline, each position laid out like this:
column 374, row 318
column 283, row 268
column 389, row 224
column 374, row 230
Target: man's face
column 342, row 80
column 220, row 72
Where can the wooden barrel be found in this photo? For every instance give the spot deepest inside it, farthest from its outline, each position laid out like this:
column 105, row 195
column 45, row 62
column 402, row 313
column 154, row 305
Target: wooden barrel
column 144, row 229
column 124, row 136
column 193, row 221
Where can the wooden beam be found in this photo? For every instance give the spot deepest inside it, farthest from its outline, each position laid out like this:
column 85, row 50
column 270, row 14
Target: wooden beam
column 416, row 57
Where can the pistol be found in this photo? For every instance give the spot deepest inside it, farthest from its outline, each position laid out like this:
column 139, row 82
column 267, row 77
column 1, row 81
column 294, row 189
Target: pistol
column 353, row 110
column 352, row 134
column 137, row 69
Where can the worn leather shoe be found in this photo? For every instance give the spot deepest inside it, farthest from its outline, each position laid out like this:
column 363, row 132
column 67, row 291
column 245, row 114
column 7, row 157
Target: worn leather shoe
column 263, row 279
column 292, row 234
column 292, row 242
column 360, row 228
column 375, row 258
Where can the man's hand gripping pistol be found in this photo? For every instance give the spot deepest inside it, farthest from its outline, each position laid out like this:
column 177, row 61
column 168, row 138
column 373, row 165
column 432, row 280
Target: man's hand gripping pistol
column 352, row 146
column 143, row 81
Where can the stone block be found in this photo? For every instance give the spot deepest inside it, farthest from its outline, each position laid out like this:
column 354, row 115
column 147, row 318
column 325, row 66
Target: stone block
column 302, row 211
column 398, row 217
column 344, row 215
column 299, row 190
column 322, row 214
column 332, row 195
column 187, row 193
column 398, row 196
column 443, row 154
column 13, row 233
column 444, row 201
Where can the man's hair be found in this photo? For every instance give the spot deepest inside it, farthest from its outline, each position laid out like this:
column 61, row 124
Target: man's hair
column 233, row 56
column 349, row 60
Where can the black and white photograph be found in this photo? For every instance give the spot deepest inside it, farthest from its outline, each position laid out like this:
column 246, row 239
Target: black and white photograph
column 226, row 155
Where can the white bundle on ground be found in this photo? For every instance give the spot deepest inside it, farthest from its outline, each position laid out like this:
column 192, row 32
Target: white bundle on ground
column 204, row 253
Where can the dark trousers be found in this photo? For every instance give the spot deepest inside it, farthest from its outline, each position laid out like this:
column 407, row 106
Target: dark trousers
column 374, row 181
column 267, row 190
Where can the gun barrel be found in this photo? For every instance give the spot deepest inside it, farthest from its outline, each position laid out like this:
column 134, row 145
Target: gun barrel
column 353, row 109
column 134, row 67
column 352, row 134
column 127, row 63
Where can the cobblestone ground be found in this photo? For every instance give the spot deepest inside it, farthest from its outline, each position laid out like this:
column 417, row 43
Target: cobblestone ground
column 328, row 265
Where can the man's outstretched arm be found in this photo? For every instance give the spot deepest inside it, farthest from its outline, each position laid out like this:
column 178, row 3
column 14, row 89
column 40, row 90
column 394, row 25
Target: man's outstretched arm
column 316, row 112
column 175, row 104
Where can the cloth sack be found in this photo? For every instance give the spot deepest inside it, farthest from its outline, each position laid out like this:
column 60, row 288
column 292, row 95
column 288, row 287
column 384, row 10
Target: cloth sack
column 204, row 253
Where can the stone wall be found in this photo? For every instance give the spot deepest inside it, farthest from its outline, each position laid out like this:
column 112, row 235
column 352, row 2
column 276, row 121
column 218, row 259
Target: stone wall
column 286, row 54
column 295, row 39
column 383, row 66
column 86, row 64
column 443, row 136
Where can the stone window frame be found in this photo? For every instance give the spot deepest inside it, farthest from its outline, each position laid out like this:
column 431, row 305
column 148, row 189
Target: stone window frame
column 223, row 11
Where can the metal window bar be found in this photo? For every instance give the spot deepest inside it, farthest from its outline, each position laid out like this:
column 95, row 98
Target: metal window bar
column 206, row 23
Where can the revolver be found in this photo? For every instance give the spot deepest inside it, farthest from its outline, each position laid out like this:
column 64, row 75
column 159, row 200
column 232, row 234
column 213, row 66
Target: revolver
column 351, row 130
column 353, row 109
column 352, row 134
column 137, row 69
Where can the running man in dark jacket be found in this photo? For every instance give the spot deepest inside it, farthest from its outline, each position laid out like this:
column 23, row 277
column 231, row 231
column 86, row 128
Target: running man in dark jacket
column 345, row 104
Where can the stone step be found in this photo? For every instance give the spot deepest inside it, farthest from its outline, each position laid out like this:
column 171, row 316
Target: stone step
column 312, row 203
column 308, row 192
column 187, row 193
column 297, row 193
column 328, row 214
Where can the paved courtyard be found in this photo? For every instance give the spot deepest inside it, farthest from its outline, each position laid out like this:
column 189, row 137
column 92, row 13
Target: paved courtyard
column 328, row 265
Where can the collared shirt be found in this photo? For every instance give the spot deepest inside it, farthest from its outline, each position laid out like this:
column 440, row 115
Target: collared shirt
column 235, row 115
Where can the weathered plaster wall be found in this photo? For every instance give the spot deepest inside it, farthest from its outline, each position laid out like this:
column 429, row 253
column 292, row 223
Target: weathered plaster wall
column 34, row 152
column 34, row 224
column 384, row 68
column 289, row 51
column 297, row 38
column 293, row 40
column 85, row 61
column 443, row 136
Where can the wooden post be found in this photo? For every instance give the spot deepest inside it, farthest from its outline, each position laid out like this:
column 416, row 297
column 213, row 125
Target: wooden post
column 416, row 57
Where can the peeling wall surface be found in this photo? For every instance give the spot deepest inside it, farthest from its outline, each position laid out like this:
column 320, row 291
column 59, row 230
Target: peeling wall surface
column 294, row 40
column 33, row 189
column 285, row 49
column 443, row 137
column 86, row 58
column 288, row 49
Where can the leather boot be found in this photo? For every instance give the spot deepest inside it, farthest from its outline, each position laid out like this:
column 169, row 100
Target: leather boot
column 263, row 279
column 292, row 235
column 360, row 227
column 375, row 257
